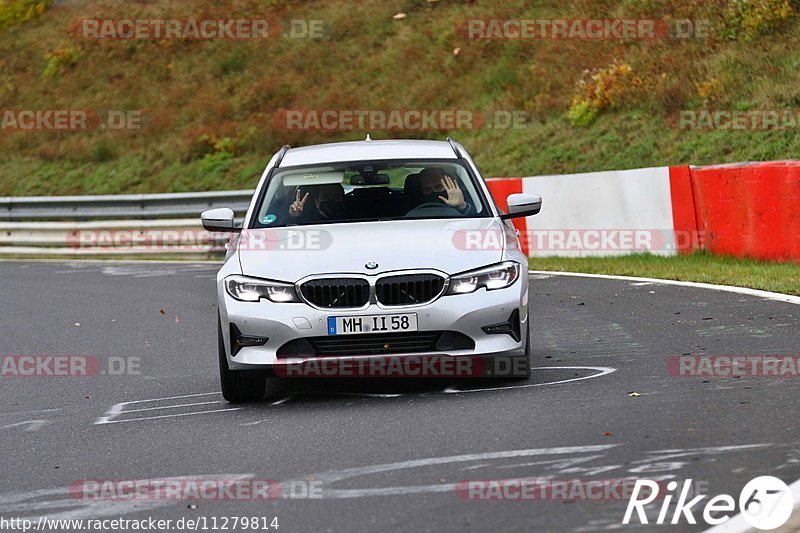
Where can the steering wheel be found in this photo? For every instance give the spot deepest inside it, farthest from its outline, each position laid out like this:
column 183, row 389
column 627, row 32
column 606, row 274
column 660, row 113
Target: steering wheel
column 427, row 208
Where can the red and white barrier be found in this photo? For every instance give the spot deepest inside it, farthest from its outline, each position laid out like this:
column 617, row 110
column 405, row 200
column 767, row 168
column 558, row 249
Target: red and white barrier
column 744, row 210
column 602, row 213
column 749, row 209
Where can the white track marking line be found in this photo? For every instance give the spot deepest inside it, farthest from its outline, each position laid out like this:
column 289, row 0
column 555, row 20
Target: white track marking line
column 173, row 397
column 663, row 455
column 30, row 504
column 33, row 425
column 169, row 407
column 332, row 476
column 336, row 475
column 776, row 296
column 602, row 371
column 12, row 413
column 736, row 524
column 119, row 408
column 168, row 416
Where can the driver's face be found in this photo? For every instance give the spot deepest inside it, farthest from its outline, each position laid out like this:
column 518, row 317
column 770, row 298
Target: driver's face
column 432, row 184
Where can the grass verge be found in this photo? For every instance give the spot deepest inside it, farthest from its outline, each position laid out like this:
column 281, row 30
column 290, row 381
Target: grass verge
column 705, row 268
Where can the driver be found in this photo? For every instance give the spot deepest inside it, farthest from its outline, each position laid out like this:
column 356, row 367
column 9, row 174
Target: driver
column 328, row 200
column 436, row 186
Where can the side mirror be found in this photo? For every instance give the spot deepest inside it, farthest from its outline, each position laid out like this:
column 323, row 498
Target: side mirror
column 219, row 220
column 522, row 205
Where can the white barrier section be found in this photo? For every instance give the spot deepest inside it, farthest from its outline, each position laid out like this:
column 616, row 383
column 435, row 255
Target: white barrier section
column 602, row 213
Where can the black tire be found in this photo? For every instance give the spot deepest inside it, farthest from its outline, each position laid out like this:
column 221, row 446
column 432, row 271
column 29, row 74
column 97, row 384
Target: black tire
column 528, row 347
column 239, row 386
column 526, row 357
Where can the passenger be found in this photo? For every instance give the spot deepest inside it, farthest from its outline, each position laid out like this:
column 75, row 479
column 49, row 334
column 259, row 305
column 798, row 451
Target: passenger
column 328, row 200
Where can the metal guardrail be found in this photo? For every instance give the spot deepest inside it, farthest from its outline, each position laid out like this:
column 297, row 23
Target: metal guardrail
column 130, row 224
column 123, row 206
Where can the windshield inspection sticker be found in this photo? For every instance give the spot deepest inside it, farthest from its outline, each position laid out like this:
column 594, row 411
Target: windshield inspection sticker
column 268, row 219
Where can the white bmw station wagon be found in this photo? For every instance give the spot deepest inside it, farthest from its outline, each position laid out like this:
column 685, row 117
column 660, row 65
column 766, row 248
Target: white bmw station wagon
column 359, row 251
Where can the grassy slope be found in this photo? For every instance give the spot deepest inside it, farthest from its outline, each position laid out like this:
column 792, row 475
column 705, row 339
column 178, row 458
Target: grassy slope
column 369, row 61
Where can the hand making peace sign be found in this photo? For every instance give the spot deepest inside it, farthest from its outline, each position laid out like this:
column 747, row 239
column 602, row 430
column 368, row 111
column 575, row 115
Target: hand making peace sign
column 296, row 209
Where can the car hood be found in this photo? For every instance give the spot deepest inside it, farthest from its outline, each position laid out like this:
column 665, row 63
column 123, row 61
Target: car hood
column 452, row 246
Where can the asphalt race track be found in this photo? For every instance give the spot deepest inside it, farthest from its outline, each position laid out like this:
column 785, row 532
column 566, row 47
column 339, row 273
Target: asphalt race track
column 387, row 454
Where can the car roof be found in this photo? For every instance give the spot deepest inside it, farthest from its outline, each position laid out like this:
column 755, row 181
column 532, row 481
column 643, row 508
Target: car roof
column 367, row 150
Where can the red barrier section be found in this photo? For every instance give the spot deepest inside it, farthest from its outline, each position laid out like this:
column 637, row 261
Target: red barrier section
column 500, row 189
column 684, row 221
column 750, row 209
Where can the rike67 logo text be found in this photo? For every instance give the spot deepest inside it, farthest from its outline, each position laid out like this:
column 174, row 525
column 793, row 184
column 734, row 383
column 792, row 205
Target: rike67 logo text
column 765, row 503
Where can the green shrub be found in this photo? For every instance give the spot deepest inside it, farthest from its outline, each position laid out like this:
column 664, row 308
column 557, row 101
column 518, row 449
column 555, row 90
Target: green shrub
column 581, row 113
column 218, row 161
column 216, row 164
column 747, row 19
column 601, row 89
column 14, row 12
column 59, row 59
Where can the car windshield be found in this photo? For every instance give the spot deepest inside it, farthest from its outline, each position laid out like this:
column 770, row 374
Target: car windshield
column 369, row 190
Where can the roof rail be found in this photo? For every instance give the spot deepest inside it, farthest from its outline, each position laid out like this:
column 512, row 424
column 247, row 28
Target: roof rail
column 281, row 153
column 454, row 147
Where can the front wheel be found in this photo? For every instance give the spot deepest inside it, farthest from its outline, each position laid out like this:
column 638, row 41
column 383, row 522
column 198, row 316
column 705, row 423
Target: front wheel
column 525, row 360
column 239, row 386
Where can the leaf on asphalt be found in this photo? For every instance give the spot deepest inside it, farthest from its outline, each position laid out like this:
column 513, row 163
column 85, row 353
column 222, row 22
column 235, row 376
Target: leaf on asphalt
column 177, row 319
column 162, row 312
column 607, row 433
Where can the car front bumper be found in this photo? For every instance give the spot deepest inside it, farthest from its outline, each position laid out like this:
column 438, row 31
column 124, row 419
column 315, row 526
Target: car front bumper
column 467, row 314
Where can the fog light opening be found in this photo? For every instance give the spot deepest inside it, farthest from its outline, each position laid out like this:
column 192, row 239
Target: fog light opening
column 239, row 341
column 510, row 327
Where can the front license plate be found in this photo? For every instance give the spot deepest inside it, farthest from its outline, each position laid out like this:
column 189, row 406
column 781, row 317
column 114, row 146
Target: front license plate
column 351, row 325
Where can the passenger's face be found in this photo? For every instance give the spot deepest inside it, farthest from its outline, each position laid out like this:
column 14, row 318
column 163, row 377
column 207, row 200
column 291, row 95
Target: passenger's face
column 330, row 195
column 330, row 202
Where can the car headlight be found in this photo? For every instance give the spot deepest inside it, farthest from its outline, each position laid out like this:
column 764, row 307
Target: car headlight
column 253, row 289
column 493, row 277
